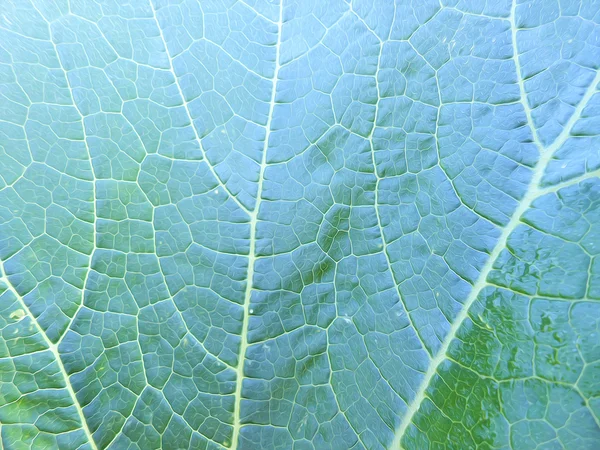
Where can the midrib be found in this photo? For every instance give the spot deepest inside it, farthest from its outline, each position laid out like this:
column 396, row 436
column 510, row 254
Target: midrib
column 252, row 252
column 533, row 192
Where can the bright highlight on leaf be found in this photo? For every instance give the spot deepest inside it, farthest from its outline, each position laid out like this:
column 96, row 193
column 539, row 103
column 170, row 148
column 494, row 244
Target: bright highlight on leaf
column 299, row 224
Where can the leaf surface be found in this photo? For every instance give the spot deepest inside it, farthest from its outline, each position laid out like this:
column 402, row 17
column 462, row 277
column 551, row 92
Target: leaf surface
column 299, row 224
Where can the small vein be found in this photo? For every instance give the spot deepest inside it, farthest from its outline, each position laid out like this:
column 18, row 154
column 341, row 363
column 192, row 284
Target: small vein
column 380, row 228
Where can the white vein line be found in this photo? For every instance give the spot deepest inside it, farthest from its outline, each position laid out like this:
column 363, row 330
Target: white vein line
column 171, row 298
column 570, row 182
column 89, row 155
column 533, row 192
column 519, row 72
column 54, row 349
column 259, row 14
column 189, row 114
column 331, row 372
column 378, row 179
column 251, row 255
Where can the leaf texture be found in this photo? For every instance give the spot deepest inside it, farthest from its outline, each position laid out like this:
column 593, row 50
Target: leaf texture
column 299, row 224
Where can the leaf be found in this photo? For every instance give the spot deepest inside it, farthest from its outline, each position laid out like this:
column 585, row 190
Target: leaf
column 299, row 224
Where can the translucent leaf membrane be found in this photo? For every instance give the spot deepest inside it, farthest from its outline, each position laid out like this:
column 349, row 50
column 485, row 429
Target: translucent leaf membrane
column 286, row 224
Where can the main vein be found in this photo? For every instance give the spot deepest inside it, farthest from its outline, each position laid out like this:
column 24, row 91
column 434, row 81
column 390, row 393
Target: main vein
column 54, row 349
column 252, row 251
column 533, row 192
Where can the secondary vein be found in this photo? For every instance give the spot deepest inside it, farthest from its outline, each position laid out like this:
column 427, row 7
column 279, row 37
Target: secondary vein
column 252, row 252
column 533, row 192
column 189, row 114
column 54, row 349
